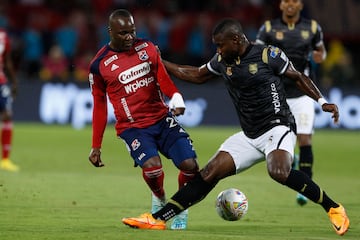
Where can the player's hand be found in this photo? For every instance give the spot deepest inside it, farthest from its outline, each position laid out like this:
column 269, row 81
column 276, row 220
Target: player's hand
column 95, row 157
column 178, row 111
column 177, row 104
column 14, row 91
column 317, row 56
column 330, row 107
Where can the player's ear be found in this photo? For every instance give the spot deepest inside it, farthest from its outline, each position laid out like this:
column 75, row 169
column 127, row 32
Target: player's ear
column 240, row 39
column 301, row 5
column 236, row 38
column 281, row 6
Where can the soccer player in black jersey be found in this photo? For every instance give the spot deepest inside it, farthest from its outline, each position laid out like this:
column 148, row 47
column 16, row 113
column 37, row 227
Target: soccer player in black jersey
column 252, row 74
column 300, row 39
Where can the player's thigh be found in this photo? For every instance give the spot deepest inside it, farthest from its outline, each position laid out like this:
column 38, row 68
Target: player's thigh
column 183, row 155
column 141, row 145
column 303, row 110
column 5, row 101
column 278, row 138
column 242, row 151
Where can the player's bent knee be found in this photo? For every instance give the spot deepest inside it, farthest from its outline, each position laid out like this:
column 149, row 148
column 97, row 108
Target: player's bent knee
column 189, row 166
column 278, row 175
column 152, row 162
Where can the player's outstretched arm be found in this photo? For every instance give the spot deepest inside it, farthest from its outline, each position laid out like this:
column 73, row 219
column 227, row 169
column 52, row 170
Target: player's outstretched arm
column 309, row 88
column 189, row 73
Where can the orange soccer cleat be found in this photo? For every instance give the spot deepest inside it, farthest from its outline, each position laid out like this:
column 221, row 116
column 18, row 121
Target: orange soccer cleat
column 145, row 221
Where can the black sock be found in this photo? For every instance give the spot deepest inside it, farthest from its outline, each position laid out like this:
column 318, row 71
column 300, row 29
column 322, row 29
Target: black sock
column 193, row 192
column 306, row 160
column 168, row 211
column 301, row 183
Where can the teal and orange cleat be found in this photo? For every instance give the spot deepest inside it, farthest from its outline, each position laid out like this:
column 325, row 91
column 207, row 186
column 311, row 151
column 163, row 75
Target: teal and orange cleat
column 180, row 221
column 157, row 203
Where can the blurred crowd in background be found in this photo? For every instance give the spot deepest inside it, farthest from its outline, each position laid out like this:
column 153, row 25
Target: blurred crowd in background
column 54, row 40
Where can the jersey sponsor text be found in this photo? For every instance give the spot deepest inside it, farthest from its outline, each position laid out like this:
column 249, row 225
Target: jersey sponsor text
column 134, row 73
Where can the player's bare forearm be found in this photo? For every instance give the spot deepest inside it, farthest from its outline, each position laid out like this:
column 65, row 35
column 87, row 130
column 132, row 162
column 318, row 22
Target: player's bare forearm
column 303, row 82
column 319, row 54
column 308, row 87
column 187, row 73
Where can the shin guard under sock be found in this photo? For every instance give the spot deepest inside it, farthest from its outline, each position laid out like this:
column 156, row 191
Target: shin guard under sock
column 184, row 177
column 193, row 192
column 6, row 138
column 154, row 177
column 306, row 160
column 301, row 183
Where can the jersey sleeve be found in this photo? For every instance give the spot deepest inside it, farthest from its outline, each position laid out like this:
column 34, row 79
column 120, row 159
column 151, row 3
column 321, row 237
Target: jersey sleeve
column 261, row 36
column 167, row 86
column 318, row 37
column 276, row 59
column 100, row 112
column 7, row 44
column 214, row 64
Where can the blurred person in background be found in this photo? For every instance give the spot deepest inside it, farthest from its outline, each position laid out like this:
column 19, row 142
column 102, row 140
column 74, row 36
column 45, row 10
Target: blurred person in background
column 129, row 71
column 338, row 68
column 301, row 39
column 7, row 94
column 55, row 65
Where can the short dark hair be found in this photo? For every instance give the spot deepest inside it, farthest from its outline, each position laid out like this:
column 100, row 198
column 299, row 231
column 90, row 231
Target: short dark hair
column 120, row 13
column 228, row 26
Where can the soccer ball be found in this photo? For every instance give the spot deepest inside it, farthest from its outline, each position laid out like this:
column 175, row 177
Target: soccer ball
column 231, row 204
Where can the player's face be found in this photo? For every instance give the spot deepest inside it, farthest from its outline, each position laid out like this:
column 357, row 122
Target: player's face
column 122, row 33
column 291, row 7
column 227, row 47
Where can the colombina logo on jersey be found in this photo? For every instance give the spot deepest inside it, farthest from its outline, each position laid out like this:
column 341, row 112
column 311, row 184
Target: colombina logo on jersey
column 132, row 78
column 134, row 73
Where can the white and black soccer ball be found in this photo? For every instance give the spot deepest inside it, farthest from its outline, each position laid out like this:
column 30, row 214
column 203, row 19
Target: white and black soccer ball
column 231, row 204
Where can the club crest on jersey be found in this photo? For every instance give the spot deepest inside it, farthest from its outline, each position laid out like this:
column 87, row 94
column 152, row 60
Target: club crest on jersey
column 135, row 144
column 274, row 51
column 143, row 55
column 253, row 68
column 305, row 34
column 228, row 71
column 279, row 35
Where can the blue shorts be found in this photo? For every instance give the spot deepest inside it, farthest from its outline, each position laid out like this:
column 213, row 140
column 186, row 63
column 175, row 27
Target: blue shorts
column 5, row 98
column 166, row 137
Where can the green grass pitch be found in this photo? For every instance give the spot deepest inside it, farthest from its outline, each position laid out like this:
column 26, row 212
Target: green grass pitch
column 58, row 194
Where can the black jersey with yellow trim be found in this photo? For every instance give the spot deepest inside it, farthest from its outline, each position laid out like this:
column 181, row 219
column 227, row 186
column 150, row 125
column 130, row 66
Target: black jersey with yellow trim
column 254, row 82
column 297, row 40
